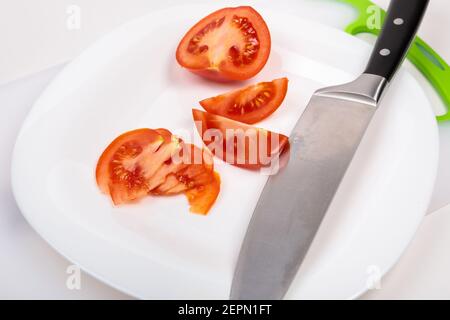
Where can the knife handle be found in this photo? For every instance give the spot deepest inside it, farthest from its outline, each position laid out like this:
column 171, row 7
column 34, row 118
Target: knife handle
column 401, row 24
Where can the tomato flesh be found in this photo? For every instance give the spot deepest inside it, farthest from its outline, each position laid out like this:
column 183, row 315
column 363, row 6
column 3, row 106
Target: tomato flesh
column 229, row 44
column 240, row 144
column 118, row 169
column 196, row 178
column 193, row 168
column 250, row 104
column 146, row 161
column 201, row 198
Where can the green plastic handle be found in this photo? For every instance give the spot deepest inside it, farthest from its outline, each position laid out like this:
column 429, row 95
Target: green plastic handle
column 432, row 66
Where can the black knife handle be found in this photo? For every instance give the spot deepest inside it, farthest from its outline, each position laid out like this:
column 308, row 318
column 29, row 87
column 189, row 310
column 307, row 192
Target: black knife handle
column 400, row 26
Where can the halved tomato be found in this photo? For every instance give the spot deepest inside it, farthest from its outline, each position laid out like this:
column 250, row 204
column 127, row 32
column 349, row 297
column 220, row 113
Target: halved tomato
column 128, row 163
column 240, row 144
column 250, row 104
column 229, row 44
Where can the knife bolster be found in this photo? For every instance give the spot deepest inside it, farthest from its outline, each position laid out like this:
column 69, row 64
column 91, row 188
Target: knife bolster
column 367, row 89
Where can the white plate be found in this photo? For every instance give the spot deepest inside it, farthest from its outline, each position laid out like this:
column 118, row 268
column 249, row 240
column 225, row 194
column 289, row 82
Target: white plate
column 156, row 249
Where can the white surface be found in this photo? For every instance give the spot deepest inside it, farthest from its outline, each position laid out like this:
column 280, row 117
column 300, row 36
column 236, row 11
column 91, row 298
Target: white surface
column 150, row 248
column 441, row 194
column 31, row 269
column 40, row 26
column 422, row 272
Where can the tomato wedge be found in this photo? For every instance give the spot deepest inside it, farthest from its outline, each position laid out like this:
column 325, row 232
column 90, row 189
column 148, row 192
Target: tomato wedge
column 192, row 168
column 126, row 166
column 193, row 173
column 250, row 104
column 145, row 161
column 240, row 144
column 202, row 197
column 229, row 44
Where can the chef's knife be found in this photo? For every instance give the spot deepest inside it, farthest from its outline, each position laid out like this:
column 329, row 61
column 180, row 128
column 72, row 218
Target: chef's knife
column 294, row 202
column 432, row 66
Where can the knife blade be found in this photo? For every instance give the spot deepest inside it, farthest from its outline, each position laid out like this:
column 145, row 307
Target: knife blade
column 294, row 202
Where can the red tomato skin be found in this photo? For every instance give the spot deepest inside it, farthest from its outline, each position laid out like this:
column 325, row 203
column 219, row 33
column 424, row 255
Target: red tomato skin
column 224, row 72
column 102, row 169
column 219, row 105
column 201, row 199
column 205, row 121
column 154, row 170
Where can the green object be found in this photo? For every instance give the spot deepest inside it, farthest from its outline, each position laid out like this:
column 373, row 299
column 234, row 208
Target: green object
column 432, row 66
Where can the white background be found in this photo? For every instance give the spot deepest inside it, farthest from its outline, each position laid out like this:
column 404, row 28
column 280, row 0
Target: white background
column 34, row 36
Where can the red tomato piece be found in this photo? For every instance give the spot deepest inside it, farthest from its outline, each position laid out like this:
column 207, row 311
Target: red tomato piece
column 202, row 198
column 229, row 44
column 240, row 144
column 127, row 164
column 192, row 168
column 193, row 173
column 145, row 161
column 250, row 104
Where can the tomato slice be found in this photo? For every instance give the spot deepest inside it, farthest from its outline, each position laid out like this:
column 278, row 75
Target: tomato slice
column 168, row 166
column 229, row 44
column 192, row 169
column 122, row 146
column 194, row 176
column 251, row 104
column 203, row 197
column 126, row 166
column 146, row 161
column 240, row 144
